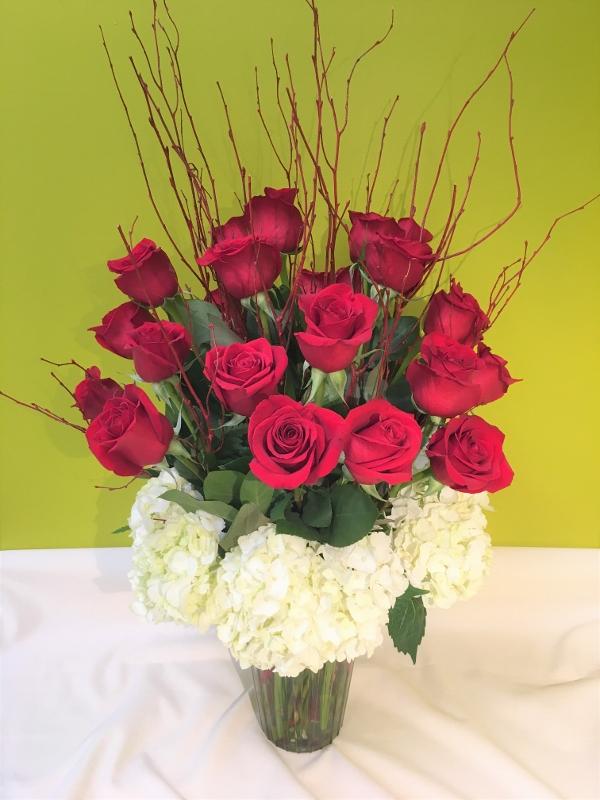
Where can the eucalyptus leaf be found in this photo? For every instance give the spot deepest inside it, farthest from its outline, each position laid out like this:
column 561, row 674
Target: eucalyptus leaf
column 354, row 514
column 248, row 519
column 406, row 622
column 191, row 504
column 202, row 319
column 224, row 485
column 255, row 491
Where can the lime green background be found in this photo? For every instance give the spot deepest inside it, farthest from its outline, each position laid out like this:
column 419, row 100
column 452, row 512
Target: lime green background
column 69, row 176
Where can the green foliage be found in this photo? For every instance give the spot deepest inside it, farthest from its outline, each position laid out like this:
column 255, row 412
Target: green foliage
column 255, row 491
column 202, row 319
column 248, row 519
column 295, row 526
column 224, row 485
column 405, row 335
column 399, row 394
column 122, row 529
column 280, row 505
column 190, row 504
column 354, row 514
column 406, row 622
column 316, row 510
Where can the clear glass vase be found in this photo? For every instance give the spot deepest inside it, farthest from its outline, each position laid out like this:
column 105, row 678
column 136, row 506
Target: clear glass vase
column 304, row 713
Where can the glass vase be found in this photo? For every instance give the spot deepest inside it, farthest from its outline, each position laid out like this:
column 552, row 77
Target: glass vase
column 304, row 713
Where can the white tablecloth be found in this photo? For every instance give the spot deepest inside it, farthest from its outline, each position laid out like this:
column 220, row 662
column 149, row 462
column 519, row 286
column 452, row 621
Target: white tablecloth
column 503, row 702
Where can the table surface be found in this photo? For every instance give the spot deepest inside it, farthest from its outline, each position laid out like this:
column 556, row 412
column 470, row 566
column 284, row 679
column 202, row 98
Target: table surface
column 503, row 702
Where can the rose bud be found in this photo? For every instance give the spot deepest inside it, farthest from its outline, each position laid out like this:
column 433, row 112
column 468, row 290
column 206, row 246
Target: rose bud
column 466, row 454
column 145, row 274
column 338, row 321
column 159, row 350
column 364, row 231
column 117, row 326
column 274, row 219
column 129, row 433
column 492, row 376
column 381, row 443
column 293, row 444
column 93, row 391
column 242, row 375
column 456, row 314
column 244, row 266
column 397, row 263
column 444, row 380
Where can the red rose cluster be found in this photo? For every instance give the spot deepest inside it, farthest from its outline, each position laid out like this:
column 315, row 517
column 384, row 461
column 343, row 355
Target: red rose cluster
column 336, row 327
column 450, row 378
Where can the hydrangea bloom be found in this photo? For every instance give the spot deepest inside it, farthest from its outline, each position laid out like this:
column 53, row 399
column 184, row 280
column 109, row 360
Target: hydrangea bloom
column 441, row 539
column 286, row 604
column 174, row 554
column 148, row 505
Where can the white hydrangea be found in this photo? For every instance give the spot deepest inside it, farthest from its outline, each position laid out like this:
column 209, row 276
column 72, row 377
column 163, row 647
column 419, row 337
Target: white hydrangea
column 441, row 539
column 174, row 554
column 149, row 507
column 284, row 603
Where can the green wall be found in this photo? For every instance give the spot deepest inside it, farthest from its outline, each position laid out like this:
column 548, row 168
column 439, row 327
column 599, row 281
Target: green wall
column 69, row 176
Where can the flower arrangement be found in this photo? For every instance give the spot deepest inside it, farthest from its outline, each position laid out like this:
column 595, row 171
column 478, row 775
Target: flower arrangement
column 315, row 465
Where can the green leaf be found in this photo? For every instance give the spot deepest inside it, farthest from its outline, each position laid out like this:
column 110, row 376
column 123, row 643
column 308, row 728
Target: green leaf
column 294, row 526
column 405, row 335
column 406, row 622
column 202, row 319
column 123, row 529
column 317, row 511
column 255, row 491
column 248, row 519
column 280, row 506
column 353, row 515
column 190, row 504
column 224, row 485
column 399, row 394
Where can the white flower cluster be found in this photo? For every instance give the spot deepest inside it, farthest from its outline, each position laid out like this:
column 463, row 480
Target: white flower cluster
column 286, row 604
column 442, row 542
column 174, row 554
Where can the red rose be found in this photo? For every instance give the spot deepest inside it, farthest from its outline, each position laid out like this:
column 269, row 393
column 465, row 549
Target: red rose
column 271, row 218
column 397, row 262
column 457, row 314
column 364, row 230
column 145, row 274
column 466, row 454
column 381, row 443
column 311, row 281
column 93, row 391
column 444, row 381
column 244, row 266
column 338, row 321
column 492, row 376
column 159, row 348
column 242, row 375
column 129, row 433
column 274, row 219
column 234, row 228
column 293, row 444
column 118, row 326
